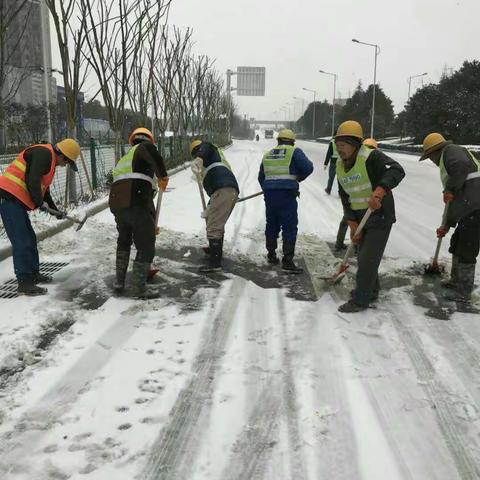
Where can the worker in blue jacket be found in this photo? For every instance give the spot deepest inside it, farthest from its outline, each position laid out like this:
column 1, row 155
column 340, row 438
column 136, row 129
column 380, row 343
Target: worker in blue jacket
column 282, row 169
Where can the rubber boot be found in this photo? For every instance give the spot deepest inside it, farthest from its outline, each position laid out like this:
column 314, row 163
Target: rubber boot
column 271, row 244
column 466, row 278
column 121, row 267
column 452, row 283
column 214, row 260
column 42, row 278
column 27, row 287
column 139, row 281
column 287, row 261
column 342, row 231
column 351, row 307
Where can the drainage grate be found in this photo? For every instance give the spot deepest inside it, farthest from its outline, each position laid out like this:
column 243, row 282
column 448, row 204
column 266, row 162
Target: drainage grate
column 9, row 288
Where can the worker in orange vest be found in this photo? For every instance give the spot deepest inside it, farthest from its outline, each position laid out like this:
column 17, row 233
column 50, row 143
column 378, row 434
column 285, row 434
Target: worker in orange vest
column 24, row 186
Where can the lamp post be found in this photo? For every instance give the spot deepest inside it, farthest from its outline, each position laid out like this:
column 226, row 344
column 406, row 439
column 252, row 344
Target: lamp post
column 377, row 51
column 410, row 82
column 303, row 109
column 314, row 101
column 334, row 75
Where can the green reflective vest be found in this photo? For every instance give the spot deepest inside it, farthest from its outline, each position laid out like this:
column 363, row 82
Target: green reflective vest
column 470, row 176
column 335, row 151
column 222, row 163
column 124, row 169
column 356, row 182
column 276, row 163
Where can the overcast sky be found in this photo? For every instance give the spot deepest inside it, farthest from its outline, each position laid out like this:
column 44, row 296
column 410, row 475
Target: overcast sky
column 294, row 39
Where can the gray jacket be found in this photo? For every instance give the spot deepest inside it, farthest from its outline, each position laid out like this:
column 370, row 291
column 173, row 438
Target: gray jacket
column 458, row 164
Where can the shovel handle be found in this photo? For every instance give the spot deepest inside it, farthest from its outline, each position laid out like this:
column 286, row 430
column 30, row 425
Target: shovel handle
column 248, row 197
column 351, row 247
column 439, row 241
column 200, row 189
column 157, row 209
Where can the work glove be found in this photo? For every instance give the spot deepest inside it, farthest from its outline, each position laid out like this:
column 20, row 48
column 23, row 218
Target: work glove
column 375, row 200
column 197, row 166
column 353, row 228
column 442, row 231
column 448, row 197
column 44, row 207
column 162, row 183
column 157, row 230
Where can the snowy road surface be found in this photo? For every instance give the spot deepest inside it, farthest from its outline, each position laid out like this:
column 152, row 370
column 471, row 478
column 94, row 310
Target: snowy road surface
column 250, row 374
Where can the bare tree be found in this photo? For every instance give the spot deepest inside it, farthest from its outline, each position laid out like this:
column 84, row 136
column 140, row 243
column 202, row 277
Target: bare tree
column 113, row 40
column 70, row 28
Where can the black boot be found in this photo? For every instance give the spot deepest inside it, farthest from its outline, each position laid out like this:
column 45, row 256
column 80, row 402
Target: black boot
column 139, row 281
column 466, row 278
column 27, row 287
column 351, row 307
column 271, row 244
column 42, row 278
column 214, row 260
column 453, row 282
column 121, row 267
column 287, row 261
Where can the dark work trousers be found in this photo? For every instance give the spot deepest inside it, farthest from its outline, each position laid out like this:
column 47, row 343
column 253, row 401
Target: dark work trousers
column 465, row 241
column 281, row 212
column 332, row 171
column 136, row 225
column 370, row 253
column 22, row 237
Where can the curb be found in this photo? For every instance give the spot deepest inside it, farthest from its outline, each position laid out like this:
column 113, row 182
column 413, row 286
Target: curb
column 6, row 252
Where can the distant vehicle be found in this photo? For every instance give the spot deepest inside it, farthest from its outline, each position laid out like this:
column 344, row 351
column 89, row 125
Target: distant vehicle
column 268, row 133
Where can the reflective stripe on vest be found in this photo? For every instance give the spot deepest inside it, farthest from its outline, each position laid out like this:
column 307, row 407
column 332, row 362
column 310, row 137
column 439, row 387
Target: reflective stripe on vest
column 124, row 169
column 276, row 163
column 356, row 182
column 470, row 176
column 13, row 178
column 223, row 163
column 335, row 151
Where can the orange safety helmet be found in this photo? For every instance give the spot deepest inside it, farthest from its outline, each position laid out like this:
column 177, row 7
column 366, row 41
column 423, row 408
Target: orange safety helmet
column 141, row 132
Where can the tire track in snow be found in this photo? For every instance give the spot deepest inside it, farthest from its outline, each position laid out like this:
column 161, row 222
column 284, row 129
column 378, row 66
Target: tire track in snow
column 467, row 463
column 179, row 439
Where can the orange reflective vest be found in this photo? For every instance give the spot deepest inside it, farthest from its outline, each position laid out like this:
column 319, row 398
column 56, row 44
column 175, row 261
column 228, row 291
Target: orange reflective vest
column 13, row 178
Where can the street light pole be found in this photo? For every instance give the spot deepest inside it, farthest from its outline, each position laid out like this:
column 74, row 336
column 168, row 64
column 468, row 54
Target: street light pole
column 334, row 75
column 410, row 82
column 377, row 52
column 314, row 101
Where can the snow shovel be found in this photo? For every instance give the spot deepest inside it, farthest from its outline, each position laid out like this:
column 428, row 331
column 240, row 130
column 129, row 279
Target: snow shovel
column 249, row 197
column 153, row 271
column 342, row 269
column 64, row 215
column 434, row 268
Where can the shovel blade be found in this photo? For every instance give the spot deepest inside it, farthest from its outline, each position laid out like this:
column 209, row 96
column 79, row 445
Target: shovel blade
column 81, row 224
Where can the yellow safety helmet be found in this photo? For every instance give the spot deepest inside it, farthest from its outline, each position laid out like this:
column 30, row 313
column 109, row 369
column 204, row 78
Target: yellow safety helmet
column 286, row 134
column 350, row 128
column 142, row 132
column 70, row 149
column 433, row 141
column 370, row 143
column 194, row 144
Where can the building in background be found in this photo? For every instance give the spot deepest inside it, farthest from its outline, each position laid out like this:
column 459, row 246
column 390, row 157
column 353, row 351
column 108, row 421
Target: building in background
column 28, row 55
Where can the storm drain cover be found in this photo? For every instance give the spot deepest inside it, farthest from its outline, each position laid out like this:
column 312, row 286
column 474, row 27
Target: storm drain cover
column 9, row 288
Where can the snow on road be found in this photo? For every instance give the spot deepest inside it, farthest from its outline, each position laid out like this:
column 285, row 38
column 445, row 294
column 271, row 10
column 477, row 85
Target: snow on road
column 249, row 374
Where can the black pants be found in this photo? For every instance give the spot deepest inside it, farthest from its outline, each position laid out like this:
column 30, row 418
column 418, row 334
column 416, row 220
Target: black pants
column 136, row 225
column 465, row 241
column 370, row 255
